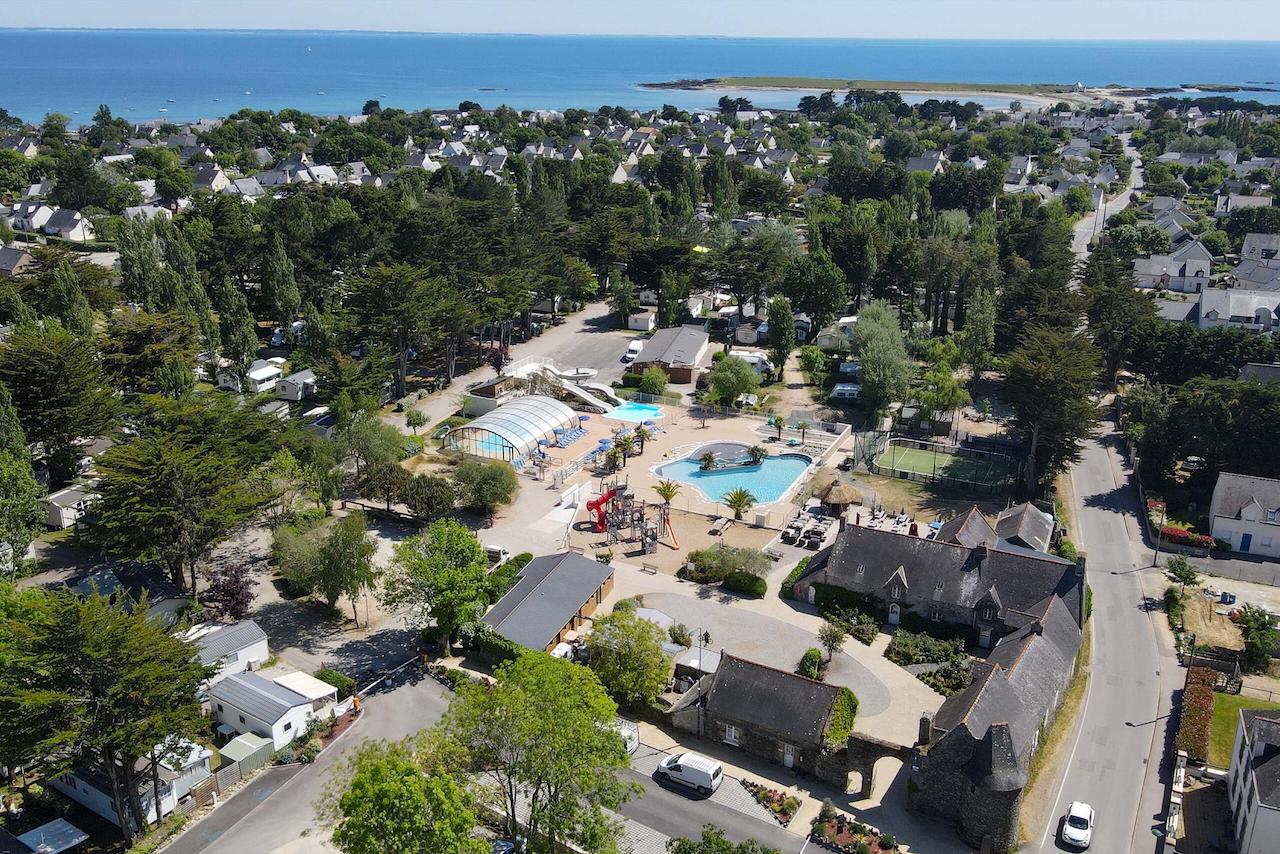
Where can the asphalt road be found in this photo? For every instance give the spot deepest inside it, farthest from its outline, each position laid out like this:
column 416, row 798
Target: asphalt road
column 669, row 810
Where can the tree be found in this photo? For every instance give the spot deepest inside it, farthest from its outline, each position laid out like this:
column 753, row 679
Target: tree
column 237, row 333
column 1258, row 629
column 544, row 732
column 653, row 381
column 623, row 300
column 415, row 419
column 978, row 338
column 229, row 591
column 138, row 344
column 738, row 500
column 386, row 481
column 380, row 801
column 20, row 502
column 625, row 652
column 782, row 330
column 713, row 841
column 816, row 287
column 372, row 441
column 183, row 483
column 279, row 287
column 58, row 389
column 1180, row 571
column 97, row 681
column 438, row 578
column 884, row 366
column 345, row 561
column 1049, row 382
column 393, row 305
column 832, row 636
column 428, row 497
column 485, row 485
column 731, row 378
column 68, row 303
column 12, row 438
column 941, row 394
column 173, row 184
column 1115, row 311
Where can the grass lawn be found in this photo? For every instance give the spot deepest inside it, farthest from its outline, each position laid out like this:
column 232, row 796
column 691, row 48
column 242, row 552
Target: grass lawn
column 971, row 469
column 1222, row 733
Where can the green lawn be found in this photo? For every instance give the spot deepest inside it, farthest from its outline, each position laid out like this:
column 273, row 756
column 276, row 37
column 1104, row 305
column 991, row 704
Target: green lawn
column 972, row 469
column 1222, row 733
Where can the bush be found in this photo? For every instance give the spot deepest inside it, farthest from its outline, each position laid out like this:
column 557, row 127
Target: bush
column 504, row 577
column 952, row 678
column 1178, row 536
column 627, row 605
column 680, row 634
column 811, row 664
column 912, row 648
column 653, row 381
column 1067, row 549
column 493, row 647
column 1174, row 608
column 826, row 595
column 860, row 625
column 707, row 566
column 746, row 584
column 345, row 684
column 792, row 577
column 843, row 712
column 888, row 842
column 631, row 380
column 1196, row 717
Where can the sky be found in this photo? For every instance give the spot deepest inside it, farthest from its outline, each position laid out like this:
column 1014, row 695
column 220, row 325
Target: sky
column 1204, row 20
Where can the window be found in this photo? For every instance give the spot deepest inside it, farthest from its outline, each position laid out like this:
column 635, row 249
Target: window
column 1271, row 515
column 1244, row 748
column 242, row 719
column 935, row 615
column 288, row 727
column 1266, row 542
column 988, row 613
column 939, row 585
column 862, row 567
column 896, row 592
column 731, row 734
column 219, row 707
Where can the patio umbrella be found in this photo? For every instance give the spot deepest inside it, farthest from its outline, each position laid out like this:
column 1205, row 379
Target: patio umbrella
column 544, row 442
column 648, row 422
column 840, row 494
column 584, row 417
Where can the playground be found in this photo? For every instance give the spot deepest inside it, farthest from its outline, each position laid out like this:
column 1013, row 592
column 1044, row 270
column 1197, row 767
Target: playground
column 692, row 531
column 952, row 465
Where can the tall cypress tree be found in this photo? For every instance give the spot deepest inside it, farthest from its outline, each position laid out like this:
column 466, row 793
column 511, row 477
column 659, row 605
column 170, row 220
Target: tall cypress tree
column 279, row 287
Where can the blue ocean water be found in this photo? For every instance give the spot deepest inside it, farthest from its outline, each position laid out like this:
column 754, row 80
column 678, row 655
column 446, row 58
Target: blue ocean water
column 191, row 74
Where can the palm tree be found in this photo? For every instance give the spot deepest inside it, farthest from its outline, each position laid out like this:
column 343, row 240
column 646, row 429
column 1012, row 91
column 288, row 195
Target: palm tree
column 642, row 435
column 757, row 454
column 707, row 461
column 667, row 490
column 626, row 446
column 612, row 458
column 802, row 426
column 777, row 422
column 739, row 501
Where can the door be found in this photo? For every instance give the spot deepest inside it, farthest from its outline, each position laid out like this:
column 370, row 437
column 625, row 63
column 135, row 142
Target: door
column 895, row 613
column 984, row 638
column 813, row 594
column 788, row 756
column 1246, row 540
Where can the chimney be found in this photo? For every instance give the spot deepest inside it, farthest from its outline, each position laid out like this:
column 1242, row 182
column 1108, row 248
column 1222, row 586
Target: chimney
column 926, row 728
column 980, row 554
column 1082, row 590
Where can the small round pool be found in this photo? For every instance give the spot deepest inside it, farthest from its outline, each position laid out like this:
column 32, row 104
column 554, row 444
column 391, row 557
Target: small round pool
column 634, row 412
column 768, row 481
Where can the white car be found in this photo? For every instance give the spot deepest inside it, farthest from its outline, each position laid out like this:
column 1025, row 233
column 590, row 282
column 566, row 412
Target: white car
column 633, row 350
column 1077, row 827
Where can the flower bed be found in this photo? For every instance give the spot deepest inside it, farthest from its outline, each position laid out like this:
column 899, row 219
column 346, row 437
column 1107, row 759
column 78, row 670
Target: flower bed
column 1196, row 714
column 1182, row 537
column 781, row 805
column 838, row 832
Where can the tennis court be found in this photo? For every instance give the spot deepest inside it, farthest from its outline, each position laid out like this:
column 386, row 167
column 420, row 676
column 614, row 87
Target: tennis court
column 929, row 461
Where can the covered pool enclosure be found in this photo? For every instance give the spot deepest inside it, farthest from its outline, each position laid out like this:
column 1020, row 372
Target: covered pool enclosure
column 513, row 430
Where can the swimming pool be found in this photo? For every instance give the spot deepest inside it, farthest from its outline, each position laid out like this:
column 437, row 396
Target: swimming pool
column 768, row 481
column 634, row 412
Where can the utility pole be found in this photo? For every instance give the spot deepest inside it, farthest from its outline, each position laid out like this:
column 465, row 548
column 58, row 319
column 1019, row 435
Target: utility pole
column 1155, row 561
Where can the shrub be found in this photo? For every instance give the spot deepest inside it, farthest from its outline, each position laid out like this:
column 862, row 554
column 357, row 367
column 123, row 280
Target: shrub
column 1194, row 721
column 829, row 594
column 653, row 381
column 861, row 626
column 1178, row 536
column 745, row 583
column 504, row 577
column 1067, row 549
column 911, row 648
column 492, row 646
column 631, row 380
column 1173, row 607
column 680, row 634
column 626, row 605
column 792, row 577
column 707, row 566
column 345, row 684
column 811, row 663
column 952, row 678
column 840, row 723
column 888, row 842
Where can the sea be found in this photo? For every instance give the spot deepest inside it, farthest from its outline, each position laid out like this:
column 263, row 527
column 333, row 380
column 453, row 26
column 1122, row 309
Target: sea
column 184, row 75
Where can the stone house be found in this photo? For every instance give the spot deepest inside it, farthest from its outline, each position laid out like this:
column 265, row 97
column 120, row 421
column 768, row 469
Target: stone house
column 972, row 760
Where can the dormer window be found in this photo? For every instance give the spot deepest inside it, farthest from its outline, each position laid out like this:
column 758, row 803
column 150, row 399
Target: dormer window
column 1271, row 515
column 896, row 592
column 862, row 567
column 988, row 613
column 939, row 586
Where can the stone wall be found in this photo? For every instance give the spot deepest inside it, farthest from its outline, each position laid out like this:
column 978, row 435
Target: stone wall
column 944, row 791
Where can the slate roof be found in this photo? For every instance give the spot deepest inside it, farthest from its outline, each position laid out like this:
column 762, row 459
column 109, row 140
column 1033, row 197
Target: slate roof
column 678, row 345
column 770, row 700
column 253, row 695
column 222, row 642
column 1260, row 372
column 968, row 529
column 11, row 257
column 1234, row 492
column 1264, row 727
column 1026, row 525
column 1020, row 577
column 550, row 591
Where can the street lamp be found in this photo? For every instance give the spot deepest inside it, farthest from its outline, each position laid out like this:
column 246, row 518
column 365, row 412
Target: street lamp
column 1155, row 561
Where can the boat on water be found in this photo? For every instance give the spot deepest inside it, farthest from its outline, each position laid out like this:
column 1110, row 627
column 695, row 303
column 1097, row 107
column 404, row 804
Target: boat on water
column 164, row 109
column 173, row 100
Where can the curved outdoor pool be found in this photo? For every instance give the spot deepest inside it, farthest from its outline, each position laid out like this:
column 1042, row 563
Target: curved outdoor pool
column 768, row 481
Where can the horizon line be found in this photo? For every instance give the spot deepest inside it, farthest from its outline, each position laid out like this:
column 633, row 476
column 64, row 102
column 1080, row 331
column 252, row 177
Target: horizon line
column 689, row 36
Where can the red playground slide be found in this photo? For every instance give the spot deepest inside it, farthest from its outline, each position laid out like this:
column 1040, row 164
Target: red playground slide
column 597, row 506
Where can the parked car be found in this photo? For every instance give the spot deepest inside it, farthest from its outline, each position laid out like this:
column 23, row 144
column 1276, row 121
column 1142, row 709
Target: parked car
column 1077, row 827
column 633, row 350
column 497, row 556
column 700, row 773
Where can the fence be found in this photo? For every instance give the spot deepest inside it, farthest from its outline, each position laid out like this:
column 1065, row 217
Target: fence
column 988, row 485
column 224, row 778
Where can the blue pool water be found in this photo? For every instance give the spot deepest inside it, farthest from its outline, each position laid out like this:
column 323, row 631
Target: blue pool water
column 768, row 481
column 634, row 412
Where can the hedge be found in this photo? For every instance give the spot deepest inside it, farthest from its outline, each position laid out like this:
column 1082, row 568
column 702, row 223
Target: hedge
column 493, row 647
column 792, row 577
column 1196, row 715
column 504, row 577
column 829, row 594
column 745, row 583
column 345, row 684
column 1178, row 536
column 840, row 723
column 811, row 664
column 910, row 648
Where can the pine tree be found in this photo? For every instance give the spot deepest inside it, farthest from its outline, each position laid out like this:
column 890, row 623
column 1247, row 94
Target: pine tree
column 279, row 288
column 68, row 303
column 236, row 330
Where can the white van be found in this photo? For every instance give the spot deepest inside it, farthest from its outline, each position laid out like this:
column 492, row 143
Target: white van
column 700, row 773
column 846, row 391
column 497, row 555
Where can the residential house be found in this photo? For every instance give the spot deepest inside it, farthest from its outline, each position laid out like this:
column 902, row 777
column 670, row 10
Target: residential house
column 769, row 713
column 29, row 216
column 1260, row 247
column 1254, row 275
column 323, row 696
column 297, row 386
column 1260, row 372
column 246, row 702
column 130, row 582
column 27, row 146
column 64, row 508
column 1243, row 512
column 678, row 351
column 973, row 758
column 490, row 394
column 552, row 597
column 178, row 776
column 932, row 162
column 1078, row 149
column 246, row 188
column 1253, row 781
column 146, row 213
column 1020, row 166
column 233, row 648
column 1186, row 269
column 1254, row 310
column 14, row 261
column 209, row 176
column 38, row 190
column 1229, row 203
column 838, row 335
column 643, row 321
column 966, row 575
column 1027, row 526
column 69, row 225
column 261, row 376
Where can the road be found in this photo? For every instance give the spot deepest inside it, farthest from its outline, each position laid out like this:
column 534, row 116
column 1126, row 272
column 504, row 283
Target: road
column 1115, row 754
column 1091, row 226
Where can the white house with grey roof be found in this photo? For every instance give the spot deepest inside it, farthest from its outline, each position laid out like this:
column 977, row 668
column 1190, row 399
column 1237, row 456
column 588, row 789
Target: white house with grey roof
column 1254, row 310
column 1244, row 512
column 1253, row 781
column 233, row 648
column 246, row 702
column 677, row 351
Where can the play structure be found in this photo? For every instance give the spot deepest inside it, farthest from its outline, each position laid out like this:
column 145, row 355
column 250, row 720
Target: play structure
column 623, row 518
